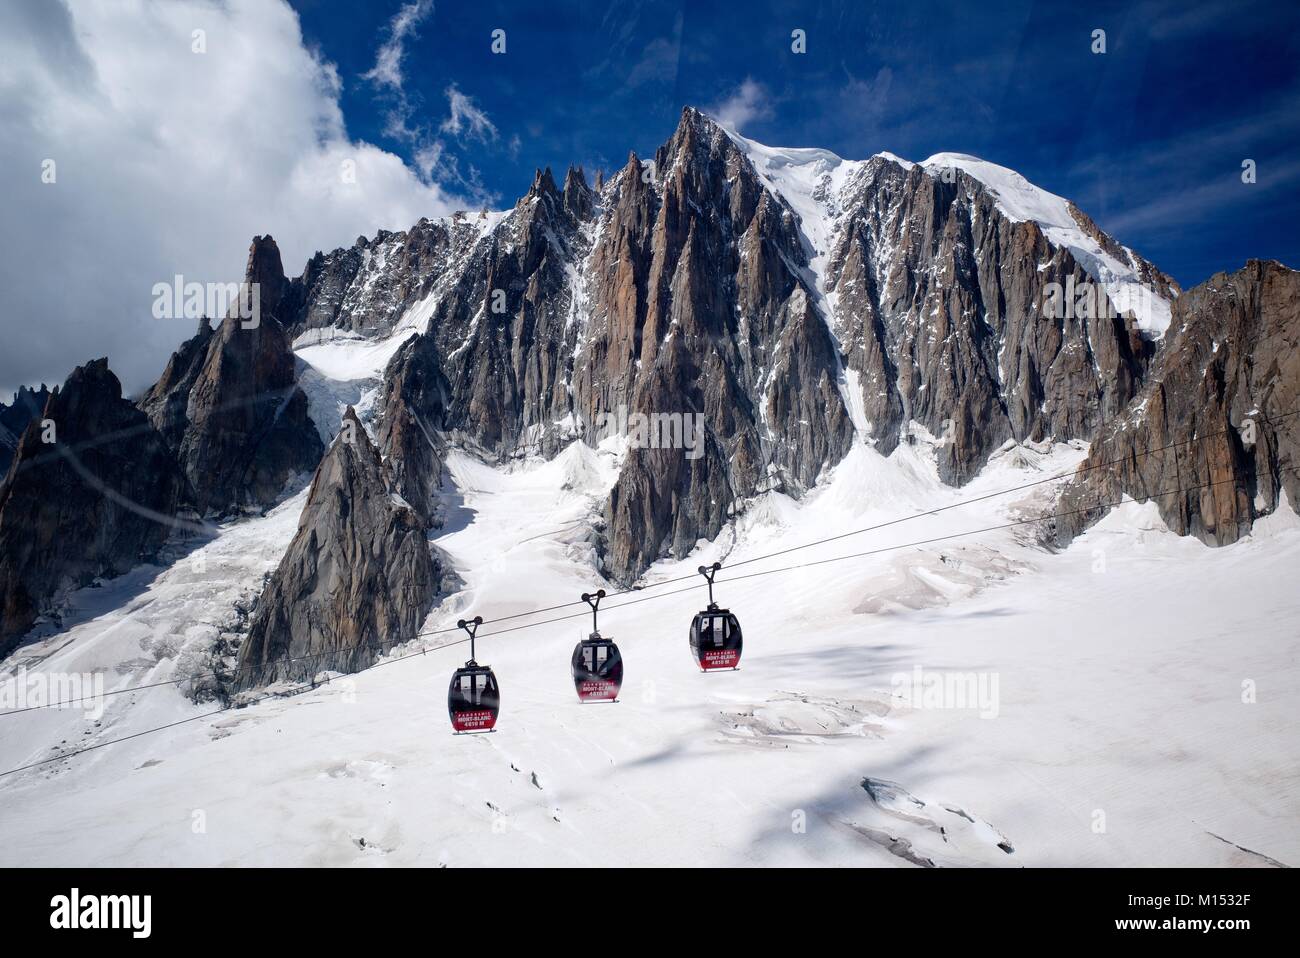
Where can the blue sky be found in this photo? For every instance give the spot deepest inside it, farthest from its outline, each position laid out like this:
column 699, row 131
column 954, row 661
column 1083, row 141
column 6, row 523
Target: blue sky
column 1148, row 137
column 171, row 158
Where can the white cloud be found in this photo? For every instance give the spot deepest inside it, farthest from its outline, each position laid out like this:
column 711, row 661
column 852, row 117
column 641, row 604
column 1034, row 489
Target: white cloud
column 465, row 122
column 387, row 70
column 168, row 161
column 387, row 77
column 466, row 118
column 659, row 61
column 748, row 102
column 430, row 159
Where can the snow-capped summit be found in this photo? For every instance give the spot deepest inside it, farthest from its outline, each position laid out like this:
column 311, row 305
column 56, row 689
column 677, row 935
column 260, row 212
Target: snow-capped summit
column 813, row 180
column 1126, row 277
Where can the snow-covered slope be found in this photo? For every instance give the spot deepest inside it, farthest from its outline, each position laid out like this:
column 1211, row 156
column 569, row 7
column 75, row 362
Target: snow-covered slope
column 156, row 624
column 811, row 181
column 1108, row 726
column 341, row 367
column 1118, row 734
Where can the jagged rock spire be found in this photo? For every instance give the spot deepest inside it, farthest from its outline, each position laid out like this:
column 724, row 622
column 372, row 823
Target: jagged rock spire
column 358, row 578
column 577, row 195
column 543, row 184
column 27, row 404
column 229, row 405
column 93, row 494
column 267, row 271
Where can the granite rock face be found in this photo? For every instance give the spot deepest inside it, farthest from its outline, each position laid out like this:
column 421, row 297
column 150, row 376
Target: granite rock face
column 411, row 427
column 229, row 405
column 940, row 302
column 364, row 289
column 166, row 402
column 700, row 308
column 358, row 578
column 96, row 501
column 27, row 405
column 693, row 291
column 735, row 317
column 508, row 329
column 1219, row 408
column 675, row 294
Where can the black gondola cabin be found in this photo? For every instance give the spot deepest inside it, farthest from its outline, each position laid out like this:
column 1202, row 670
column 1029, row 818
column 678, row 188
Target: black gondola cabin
column 597, row 664
column 715, row 633
column 473, row 700
column 716, row 640
column 597, row 669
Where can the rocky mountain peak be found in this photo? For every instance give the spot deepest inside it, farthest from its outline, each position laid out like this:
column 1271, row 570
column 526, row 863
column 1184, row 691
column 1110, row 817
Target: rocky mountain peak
column 632, row 168
column 92, row 494
column 267, row 271
column 350, row 436
column 578, row 198
column 350, row 416
column 357, row 579
column 700, row 309
column 411, row 427
column 89, row 384
column 695, row 123
column 1228, row 377
column 229, row 406
column 698, row 141
column 543, row 184
column 546, row 214
column 26, row 405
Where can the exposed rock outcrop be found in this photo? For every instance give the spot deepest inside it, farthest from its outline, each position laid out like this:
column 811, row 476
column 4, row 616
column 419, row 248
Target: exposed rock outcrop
column 358, row 578
column 166, row 402
column 229, row 404
column 700, row 308
column 27, row 404
column 940, row 300
column 1221, row 409
column 689, row 286
column 98, row 499
column 365, row 289
column 410, row 429
column 493, row 296
column 508, row 330
column 578, row 199
column 695, row 287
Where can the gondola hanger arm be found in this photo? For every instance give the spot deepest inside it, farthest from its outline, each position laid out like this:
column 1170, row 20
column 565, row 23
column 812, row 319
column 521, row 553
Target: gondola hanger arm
column 593, row 599
column 709, row 571
column 471, row 626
